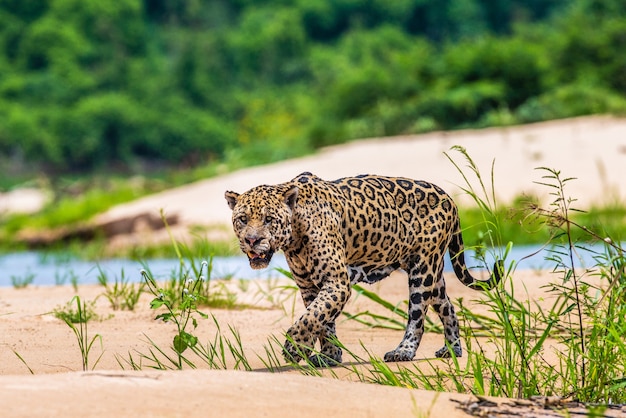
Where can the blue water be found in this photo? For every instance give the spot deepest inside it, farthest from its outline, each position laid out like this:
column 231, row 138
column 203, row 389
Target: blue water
column 49, row 269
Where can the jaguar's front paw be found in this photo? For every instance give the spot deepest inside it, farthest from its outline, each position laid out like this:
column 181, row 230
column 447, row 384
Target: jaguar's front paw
column 290, row 353
column 400, row 355
column 322, row 360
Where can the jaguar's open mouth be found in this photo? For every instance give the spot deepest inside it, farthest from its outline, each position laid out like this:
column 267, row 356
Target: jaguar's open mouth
column 259, row 260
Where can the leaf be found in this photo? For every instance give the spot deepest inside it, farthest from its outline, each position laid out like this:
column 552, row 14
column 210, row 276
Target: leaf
column 180, row 345
column 184, row 340
column 192, row 340
column 284, row 272
column 164, row 316
column 375, row 298
column 156, row 303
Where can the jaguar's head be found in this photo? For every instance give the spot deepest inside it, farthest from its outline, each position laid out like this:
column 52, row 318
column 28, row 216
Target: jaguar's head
column 262, row 220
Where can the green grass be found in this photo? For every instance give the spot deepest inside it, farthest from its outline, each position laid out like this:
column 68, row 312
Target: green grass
column 78, row 320
column 121, row 294
column 178, row 302
column 84, row 312
column 20, row 282
column 519, row 223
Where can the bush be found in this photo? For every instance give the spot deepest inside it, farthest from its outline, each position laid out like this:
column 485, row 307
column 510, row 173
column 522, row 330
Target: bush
column 269, row 44
column 594, row 56
column 368, row 87
column 569, row 101
column 514, row 63
column 453, row 107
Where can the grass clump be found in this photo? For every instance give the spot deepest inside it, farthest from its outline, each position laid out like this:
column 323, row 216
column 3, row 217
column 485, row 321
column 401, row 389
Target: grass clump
column 179, row 302
column 180, row 309
column 20, row 282
column 60, row 278
column 509, row 354
column 121, row 294
column 77, row 320
column 180, row 299
column 84, row 312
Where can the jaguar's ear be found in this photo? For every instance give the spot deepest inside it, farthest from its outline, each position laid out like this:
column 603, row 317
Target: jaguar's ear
column 231, row 198
column 291, row 196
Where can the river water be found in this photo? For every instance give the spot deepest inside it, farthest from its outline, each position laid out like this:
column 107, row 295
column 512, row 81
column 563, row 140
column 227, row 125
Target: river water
column 53, row 269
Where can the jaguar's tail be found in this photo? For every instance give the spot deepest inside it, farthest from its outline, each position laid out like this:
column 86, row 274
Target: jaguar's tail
column 457, row 256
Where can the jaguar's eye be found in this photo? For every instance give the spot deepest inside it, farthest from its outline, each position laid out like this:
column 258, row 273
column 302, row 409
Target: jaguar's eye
column 268, row 219
column 243, row 219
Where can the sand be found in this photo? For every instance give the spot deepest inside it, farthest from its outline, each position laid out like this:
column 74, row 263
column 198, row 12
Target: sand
column 59, row 387
column 591, row 149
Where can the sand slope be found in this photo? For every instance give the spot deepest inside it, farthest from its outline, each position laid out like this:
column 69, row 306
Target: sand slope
column 592, row 149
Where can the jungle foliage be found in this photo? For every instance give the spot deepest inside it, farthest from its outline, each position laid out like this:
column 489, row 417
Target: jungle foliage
column 132, row 85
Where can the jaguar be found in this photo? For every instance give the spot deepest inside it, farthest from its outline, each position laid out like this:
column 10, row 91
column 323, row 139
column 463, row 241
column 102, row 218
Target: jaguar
column 356, row 229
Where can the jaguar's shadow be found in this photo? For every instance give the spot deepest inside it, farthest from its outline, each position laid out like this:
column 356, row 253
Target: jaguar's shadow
column 301, row 367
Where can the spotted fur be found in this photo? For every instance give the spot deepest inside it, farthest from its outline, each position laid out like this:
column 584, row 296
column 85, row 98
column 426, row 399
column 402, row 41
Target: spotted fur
column 350, row 230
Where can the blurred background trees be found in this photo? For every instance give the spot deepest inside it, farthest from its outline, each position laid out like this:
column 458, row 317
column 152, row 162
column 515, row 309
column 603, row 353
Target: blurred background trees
column 133, row 86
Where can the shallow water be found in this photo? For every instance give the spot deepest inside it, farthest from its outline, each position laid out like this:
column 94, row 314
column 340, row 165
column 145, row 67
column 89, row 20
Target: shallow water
column 54, row 269
column 50, row 269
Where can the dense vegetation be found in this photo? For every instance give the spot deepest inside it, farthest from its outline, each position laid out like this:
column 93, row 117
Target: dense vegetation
column 134, row 85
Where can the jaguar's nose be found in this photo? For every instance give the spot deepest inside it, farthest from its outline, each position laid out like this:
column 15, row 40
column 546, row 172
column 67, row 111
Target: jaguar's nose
column 252, row 239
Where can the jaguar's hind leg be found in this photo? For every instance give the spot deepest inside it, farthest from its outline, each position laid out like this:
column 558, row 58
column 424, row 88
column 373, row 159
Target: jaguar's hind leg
column 445, row 310
column 421, row 282
column 426, row 288
column 412, row 335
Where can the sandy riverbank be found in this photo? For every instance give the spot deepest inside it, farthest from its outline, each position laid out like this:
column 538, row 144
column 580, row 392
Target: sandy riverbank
column 591, row 149
column 58, row 387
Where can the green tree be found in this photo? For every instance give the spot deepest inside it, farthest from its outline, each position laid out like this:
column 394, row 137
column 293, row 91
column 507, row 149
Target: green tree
column 85, row 83
column 268, row 45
